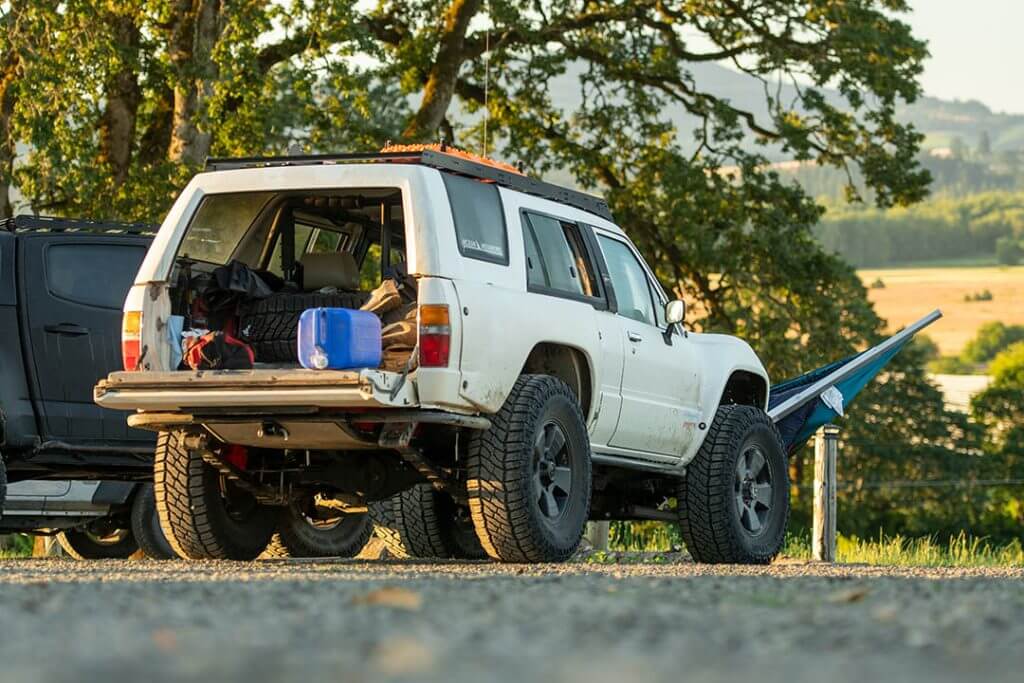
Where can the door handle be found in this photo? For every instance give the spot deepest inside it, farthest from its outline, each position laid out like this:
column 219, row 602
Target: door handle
column 634, row 337
column 67, row 329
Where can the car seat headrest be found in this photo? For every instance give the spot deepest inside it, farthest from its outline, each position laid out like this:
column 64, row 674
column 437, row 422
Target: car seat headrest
column 330, row 270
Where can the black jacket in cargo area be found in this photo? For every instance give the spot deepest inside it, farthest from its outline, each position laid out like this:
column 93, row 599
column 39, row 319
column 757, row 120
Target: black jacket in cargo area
column 62, row 287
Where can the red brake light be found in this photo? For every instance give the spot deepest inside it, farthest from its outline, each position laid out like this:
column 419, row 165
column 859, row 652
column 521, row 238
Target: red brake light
column 435, row 336
column 131, row 351
column 131, row 340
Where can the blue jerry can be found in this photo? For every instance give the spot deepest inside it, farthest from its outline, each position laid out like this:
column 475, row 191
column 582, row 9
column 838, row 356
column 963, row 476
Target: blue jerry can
column 339, row 339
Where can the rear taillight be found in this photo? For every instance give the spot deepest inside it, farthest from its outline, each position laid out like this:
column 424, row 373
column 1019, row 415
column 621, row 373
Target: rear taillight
column 131, row 340
column 435, row 336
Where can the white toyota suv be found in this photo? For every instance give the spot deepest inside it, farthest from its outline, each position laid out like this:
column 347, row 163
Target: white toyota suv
column 550, row 379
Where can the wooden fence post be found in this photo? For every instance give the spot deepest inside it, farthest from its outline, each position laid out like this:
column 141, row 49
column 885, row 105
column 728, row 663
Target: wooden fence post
column 597, row 535
column 823, row 537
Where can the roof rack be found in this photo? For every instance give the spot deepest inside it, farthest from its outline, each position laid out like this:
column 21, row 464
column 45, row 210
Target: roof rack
column 25, row 223
column 434, row 159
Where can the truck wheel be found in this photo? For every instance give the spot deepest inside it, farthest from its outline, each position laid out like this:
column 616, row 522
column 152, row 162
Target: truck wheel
column 271, row 325
column 96, row 543
column 529, row 474
column 411, row 524
column 146, row 526
column 431, row 526
column 203, row 514
column 299, row 536
column 734, row 501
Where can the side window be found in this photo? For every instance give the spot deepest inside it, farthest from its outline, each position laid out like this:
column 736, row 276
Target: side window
column 632, row 291
column 479, row 219
column 556, row 258
column 73, row 272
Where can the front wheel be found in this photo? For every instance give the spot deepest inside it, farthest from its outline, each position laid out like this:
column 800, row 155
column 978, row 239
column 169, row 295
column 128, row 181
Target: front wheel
column 529, row 480
column 98, row 541
column 734, row 500
column 203, row 514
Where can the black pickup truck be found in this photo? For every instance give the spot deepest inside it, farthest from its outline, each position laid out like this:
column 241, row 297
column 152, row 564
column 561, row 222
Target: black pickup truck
column 62, row 287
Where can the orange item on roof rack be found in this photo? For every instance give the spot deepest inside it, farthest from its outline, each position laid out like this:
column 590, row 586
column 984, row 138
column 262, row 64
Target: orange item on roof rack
column 453, row 151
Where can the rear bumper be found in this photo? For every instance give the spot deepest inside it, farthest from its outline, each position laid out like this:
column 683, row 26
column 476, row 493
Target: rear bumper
column 247, row 389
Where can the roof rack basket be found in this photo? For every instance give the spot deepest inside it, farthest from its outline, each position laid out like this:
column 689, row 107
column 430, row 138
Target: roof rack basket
column 448, row 163
column 25, row 223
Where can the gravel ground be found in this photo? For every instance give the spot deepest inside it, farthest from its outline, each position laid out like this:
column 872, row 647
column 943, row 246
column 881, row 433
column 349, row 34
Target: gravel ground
column 62, row 620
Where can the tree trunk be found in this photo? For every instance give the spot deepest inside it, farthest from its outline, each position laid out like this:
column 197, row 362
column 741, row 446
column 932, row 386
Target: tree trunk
column 196, row 29
column 156, row 137
column 123, row 95
column 6, row 145
column 440, row 88
column 9, row 64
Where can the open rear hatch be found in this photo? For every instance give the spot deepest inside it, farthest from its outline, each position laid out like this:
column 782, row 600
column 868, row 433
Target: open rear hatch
column 218, row 390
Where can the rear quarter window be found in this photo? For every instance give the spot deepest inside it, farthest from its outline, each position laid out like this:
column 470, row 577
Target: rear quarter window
column 97, row 275
column 479, row 219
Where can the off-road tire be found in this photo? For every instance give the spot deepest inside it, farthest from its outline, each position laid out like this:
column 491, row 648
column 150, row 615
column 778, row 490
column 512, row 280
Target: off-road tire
column 193, row 514
column 502, row 480
column 297, row 537
column 81, row 545
column 411, row 523
column 271, row 325
column 709, row 517
column 146, row 526
column 431, row 526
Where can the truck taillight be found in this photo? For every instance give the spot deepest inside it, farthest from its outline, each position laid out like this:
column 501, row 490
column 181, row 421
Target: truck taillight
column 131, row 340
column 435, row 336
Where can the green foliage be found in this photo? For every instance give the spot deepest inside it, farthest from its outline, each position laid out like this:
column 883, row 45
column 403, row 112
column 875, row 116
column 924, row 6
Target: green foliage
column 644, row 536
column 1007, row 368
column 989, row 341
column 1009, row 250
column 983, row 295
column 936, row 229
column 18, row 545
column 962, row 550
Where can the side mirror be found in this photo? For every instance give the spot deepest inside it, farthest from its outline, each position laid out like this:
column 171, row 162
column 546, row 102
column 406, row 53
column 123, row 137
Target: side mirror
column 675, row 311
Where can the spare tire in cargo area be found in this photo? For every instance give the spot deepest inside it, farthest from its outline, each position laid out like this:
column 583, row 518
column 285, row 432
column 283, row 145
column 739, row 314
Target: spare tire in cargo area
column 271, row 325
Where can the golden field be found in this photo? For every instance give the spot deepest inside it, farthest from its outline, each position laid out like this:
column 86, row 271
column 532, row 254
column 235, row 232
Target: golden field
column 910, row 293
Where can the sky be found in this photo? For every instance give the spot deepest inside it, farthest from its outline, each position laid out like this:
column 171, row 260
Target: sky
column 977, row 49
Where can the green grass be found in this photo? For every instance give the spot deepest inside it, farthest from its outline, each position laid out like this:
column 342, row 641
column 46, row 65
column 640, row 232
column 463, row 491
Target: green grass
column 20, row 546
column 963, row 550
column 900, row 551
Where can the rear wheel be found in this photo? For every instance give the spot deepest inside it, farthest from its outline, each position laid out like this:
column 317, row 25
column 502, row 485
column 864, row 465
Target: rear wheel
column 411, row 524
column 203, row 514
column 422, row 522
column 146, row 526
column 734, row 501
column 529, row 480
column 100, row 540
column 299, row 535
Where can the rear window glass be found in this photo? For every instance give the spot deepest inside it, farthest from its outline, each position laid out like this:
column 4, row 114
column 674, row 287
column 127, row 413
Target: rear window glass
column 219, row 225
column 75, row 271
column 479, row 219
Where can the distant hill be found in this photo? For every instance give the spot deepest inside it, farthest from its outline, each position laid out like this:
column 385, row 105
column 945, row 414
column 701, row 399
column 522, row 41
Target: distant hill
column 940, row 120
